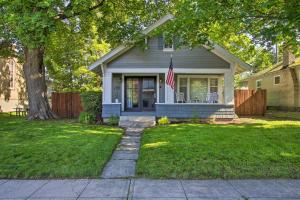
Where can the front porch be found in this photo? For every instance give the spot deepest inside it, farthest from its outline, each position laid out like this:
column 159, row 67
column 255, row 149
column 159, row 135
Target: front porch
column 203, row 93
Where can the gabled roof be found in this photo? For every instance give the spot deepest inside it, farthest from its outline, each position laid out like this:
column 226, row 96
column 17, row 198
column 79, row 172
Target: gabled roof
column 276, row 67
column 218, row 50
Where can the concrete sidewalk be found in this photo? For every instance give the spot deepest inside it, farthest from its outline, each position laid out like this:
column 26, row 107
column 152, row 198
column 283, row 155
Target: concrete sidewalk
column 116, row 189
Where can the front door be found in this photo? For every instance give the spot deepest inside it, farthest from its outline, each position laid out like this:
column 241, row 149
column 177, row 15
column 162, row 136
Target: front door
column 140, row 93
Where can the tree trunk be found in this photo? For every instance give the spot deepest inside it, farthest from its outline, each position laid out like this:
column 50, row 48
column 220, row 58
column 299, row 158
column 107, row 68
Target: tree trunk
column 295, row 86
column 34, row 71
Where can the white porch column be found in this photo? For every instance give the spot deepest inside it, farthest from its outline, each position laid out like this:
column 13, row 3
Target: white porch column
column 107, row 87
column 229, row 86
column 169, row 93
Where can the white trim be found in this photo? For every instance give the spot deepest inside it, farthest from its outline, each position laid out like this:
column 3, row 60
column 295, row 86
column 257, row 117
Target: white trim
column 157, row 88
column 256, row 83
column 163, row 70
column 208, row 104
column 279, row 80
column 168, row 49
column 169, row 92
column 229, row 86
column 200, row 76
column 139, row 74
column 107, row 87
column 123, row 92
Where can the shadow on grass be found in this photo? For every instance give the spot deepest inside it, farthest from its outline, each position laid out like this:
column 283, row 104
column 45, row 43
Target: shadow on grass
column 261, row 149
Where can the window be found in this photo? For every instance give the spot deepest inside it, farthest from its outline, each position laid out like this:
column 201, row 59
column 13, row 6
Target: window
column 148, row 84
column 198, row 88
column 276, row 80
column 213, row 85
column 183, row 85
column 168, row 45
column 258, row 84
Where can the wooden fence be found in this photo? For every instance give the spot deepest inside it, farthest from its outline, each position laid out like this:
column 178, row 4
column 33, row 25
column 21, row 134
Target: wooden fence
column 250, row 102
column 67, row 104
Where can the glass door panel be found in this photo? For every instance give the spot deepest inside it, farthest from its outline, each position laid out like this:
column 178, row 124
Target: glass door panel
column 148, row 93
column 132, row 93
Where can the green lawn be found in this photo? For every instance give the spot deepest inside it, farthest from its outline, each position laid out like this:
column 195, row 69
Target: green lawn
column 54, row 149
column 265, row 149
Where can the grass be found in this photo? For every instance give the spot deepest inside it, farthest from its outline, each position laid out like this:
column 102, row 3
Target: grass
column 53, row 149
column 264, row 149
column 284, row 114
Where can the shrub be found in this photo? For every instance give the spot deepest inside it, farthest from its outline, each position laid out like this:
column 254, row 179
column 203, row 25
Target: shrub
column 164, row 121
column 113, row 120
column 91, row 102
column 86, row 118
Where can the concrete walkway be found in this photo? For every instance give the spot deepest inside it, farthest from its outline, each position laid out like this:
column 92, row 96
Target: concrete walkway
column 123, row 161
column 117, row 189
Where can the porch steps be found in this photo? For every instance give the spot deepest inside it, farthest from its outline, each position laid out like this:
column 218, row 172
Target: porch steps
column 137, row 121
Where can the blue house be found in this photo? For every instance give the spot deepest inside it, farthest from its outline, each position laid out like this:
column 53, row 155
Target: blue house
column 134, row 80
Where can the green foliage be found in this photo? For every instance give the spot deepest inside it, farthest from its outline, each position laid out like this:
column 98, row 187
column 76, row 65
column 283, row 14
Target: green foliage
column 164, row 121
column 92, row 103
column 264, row 21
column 62, row 143
column 86, row 118
column 67, row 64
column 113, row 120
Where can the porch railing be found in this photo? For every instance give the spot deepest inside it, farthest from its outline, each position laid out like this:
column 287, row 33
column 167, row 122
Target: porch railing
column 199, row 98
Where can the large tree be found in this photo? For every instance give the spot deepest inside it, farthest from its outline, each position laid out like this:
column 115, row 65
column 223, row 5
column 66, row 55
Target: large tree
column 26, row 28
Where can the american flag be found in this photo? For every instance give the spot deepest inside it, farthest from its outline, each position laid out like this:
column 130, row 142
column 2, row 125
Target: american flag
column 170, row 77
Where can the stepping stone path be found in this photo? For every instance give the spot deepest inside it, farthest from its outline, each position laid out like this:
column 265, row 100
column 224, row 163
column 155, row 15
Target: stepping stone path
column 123, row 161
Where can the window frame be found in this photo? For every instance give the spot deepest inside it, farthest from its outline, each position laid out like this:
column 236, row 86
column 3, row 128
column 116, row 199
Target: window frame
column 275, row 79
column 259, row 80
column 167, row 49
column 208, row 77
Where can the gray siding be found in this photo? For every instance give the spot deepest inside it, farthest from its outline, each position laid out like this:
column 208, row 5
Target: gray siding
column 190, row 111
column 109, row 110
column 154, row 57
column 176, row 111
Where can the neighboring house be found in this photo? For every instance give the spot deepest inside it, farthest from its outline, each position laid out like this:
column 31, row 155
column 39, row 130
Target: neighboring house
column 281, row 82
column 12, row 85
column 134, row 80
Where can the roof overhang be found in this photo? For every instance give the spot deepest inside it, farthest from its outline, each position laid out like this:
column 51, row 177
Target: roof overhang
column 241, row 66
column 123, row 48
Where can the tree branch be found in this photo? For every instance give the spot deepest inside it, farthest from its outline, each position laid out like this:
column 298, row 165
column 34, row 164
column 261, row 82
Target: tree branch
column 63, row 16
